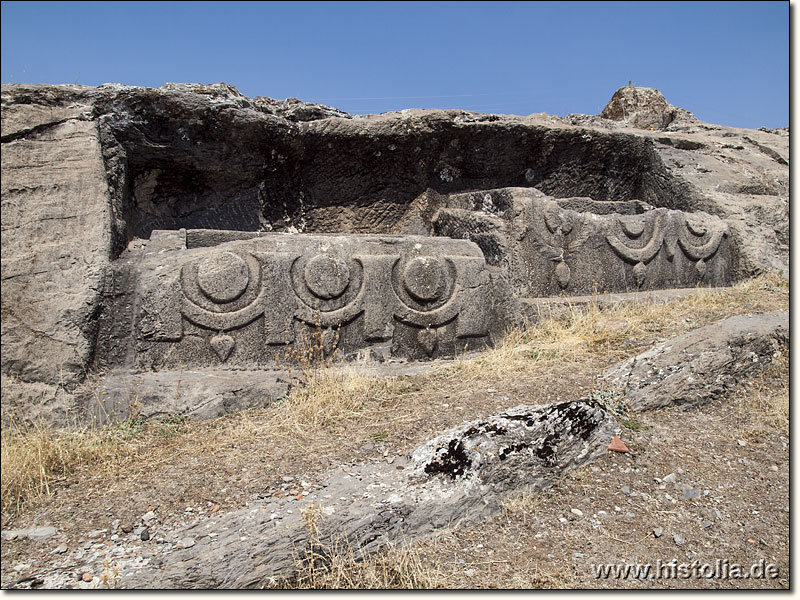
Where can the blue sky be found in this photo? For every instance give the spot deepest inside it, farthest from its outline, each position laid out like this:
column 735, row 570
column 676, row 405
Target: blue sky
column 728, row 62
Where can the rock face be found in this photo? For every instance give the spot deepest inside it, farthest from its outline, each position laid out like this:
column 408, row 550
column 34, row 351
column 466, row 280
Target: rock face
column 701, row 365
column 137, row 220
column 457, row 477
column 644, row 108
column 204, row 297
column 56, row 245
column 548, row 249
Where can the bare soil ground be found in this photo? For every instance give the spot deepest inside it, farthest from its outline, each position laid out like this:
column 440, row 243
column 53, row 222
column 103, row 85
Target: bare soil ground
column 712, row 481
column 741, row 515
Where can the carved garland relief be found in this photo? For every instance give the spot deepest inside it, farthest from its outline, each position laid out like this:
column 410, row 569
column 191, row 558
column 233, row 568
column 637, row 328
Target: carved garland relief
column 227, row 290
column 633, row 228
column 698, row 241
column 558, row 235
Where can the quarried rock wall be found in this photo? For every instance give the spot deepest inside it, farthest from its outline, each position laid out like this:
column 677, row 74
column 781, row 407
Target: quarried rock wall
column 135, row 225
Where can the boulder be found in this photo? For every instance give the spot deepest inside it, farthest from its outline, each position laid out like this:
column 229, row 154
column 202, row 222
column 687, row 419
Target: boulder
column 644, row 108
column 701, row 365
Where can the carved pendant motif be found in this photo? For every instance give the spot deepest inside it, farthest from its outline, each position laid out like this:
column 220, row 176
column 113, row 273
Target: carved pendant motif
column 558, row 234
column 701, row 268
column 428, row 339
column 633, row 229
column 223, row 346
column 563, row 274
column 640, row 273
column 700, row 243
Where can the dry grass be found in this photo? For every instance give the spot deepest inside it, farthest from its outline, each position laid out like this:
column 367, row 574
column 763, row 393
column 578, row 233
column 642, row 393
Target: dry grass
column 392, row 568
column 595, row 330
column 35, row 456
column 321, row 416
column 337, row 566
column 333, row 400
column 429, row 564
column 761, row 403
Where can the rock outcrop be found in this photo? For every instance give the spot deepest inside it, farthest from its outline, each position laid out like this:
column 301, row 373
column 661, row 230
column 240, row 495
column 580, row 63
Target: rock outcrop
column 701, row 365
column 459, row 477
column 93, row 177
column 644, row 108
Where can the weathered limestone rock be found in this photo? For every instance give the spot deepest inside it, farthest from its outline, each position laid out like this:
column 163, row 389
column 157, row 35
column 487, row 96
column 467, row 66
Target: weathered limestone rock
column 643, row 107
column 549, row 250
column 701, row 365
column 576, row 204
column 56, row 242
column 37, row 534
column 200, row 300
column 457, row 478
column 195, row 394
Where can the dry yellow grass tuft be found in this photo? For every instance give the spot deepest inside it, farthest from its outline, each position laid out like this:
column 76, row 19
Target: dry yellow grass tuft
column 392, row 568
column 595, row 330
column 761, row 403
column 332, row 400
column 35, row 456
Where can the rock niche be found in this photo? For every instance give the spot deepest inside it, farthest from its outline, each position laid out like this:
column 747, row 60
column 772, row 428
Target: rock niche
column 155, row 237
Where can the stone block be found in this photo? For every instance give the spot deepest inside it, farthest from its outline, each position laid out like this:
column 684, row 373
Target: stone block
column 549, row 250
column 291, row 298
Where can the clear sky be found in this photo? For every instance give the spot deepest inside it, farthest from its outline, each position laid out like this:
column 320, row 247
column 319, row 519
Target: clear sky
column 727, row 62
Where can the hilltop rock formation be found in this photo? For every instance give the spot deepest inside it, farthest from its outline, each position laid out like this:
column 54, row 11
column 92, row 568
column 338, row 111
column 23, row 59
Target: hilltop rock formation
column 644, row 108
column 108, row 191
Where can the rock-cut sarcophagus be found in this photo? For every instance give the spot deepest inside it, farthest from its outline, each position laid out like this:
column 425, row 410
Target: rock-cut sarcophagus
column 549, row 250
column 205, row 297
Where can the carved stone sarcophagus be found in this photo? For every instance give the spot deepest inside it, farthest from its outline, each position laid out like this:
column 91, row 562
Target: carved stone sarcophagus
column 550, row 250
column 206, row 297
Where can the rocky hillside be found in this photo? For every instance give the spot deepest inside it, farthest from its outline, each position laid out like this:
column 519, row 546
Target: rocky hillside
column 89, row 172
